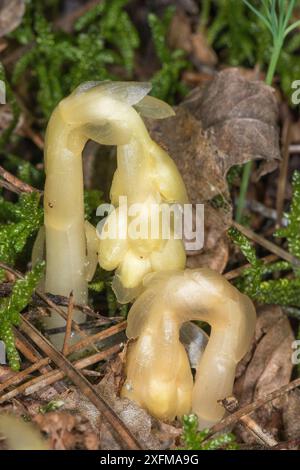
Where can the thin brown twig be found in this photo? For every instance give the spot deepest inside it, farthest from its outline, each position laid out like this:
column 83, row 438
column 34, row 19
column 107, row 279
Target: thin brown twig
column 246, row 410
column 49, row 302
column 15, row 379
column 63, row 301
column 31, row 353
column 89, row 325
column 18, row 184
column 87, row 339
column 34, row 136
column 61, row 312
column 28, row 350
column 6, row 185
column 52, row 377
column 261, row 209
column 91, row 373
column 98, row 336
column 127, row 439
column 267, row 244
column 38, row 383
column 238, row 271
column 59, row 300
column 263, row 437
column 24, row 349
column 70, row 311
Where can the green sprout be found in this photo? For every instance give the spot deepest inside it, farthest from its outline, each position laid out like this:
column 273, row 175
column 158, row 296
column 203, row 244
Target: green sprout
column 53, row 405
column 197, row 440
column 275, row 15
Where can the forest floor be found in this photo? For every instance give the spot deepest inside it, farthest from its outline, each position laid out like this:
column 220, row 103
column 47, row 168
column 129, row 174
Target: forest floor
column 225, row 116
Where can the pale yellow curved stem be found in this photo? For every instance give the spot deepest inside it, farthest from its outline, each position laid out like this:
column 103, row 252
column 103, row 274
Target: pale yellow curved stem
column 157, row 370
column 102, row 112
column 21, row 435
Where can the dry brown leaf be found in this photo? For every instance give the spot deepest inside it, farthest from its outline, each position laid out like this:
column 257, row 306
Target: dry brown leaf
column 151, row 433
column 253, row 74
column 196, row 157
column 239, row 116
column 216, row 250
column 76, row 402
column 11, row 14
column 66, row 431
column 216, row 258
column 5, row 373
column 198, row 163
column 227, row 122
column 269, row 368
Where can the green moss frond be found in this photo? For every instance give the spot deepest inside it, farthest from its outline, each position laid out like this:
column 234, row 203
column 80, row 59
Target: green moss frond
column 10, row 308
column 194, row 439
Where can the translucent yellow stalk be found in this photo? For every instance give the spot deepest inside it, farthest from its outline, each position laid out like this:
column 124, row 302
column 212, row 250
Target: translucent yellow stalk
column 21, row 435
column 159, row 377
column 147, row 176
column 96, row 111
column 103, row 112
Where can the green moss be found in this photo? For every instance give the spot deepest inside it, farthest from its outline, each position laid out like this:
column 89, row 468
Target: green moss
column 59, row 62
column 24, row 170
column 22, row 220
column 92, row 199
column 242, row 39
column 231, row 31
column 253, row 280
column 166, row 82
column 194, row 439
column 10, row 308
column 53, row 405
column 292, row 231
column 245, row 246
column 257, row 281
